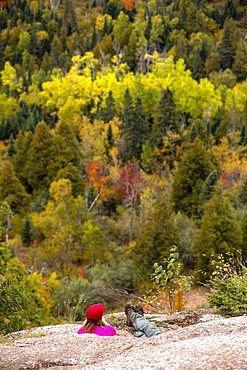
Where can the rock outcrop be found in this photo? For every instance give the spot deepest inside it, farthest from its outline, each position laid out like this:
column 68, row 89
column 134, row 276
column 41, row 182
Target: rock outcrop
column 220, row 343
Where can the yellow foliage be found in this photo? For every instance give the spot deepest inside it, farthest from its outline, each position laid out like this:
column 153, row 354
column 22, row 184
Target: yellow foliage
column 100, row 21
column 230, row 158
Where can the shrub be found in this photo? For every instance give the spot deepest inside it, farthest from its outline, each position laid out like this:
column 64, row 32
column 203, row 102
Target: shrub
column 228, row 286
column 20, row 303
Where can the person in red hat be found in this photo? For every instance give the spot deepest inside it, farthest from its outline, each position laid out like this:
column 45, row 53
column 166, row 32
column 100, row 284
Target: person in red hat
column 95, row 323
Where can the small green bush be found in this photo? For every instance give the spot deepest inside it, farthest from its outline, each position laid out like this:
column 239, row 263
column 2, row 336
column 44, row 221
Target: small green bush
column 230, row 295
column 20, row 304
column 229, row 289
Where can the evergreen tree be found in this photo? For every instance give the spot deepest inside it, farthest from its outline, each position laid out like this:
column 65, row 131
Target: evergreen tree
column 11, row 147
column 165, row 119
column 207, row 190
column 196, row 65
column 135, row 129
column 41, row 159
column 71, row 173
column 148, row 28
column 226, row 49
column 108, row 112
column 193, row 133
column 239, row 67
column 130, row 51
column 109, row 141
column 193, row 170
column 243, row 136
column 243, row 248
column 94, row 38
column 69, row 18
column 69, row 151
column 19, row 160
column 230, row 9
column 26, row 232
column 220, row 233
column 157, row 235
column 105, row 28
column 11, row 190
column 56, row 51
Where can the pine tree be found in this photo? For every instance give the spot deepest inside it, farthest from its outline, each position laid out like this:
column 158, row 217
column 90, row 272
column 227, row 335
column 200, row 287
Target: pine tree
column 230, row 9
column 226, row 49
column 94, row 38
column 207, row 191
column 69, row 18
column 56, row 51
column 165, row 119
column 108, row 112
column 11, row 147
column 41, row 159
column 193, row 170
column 243, row 136
column 130, row 51
column 12, row 191
column 148, row 28
column 135, row 128
column 69, row 151
column 71, row 173
column 220, row 233
column 19, row 160
column 193, row 133
column 157, row 235
column 239, row 67
column 109, row 141
column 243, row 224
column 196, row 65
column 26, row 232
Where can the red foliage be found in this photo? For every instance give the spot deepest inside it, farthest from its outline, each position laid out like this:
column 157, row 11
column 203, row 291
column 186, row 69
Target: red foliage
column 2, row 5
column 128, row 185
column 82, row 272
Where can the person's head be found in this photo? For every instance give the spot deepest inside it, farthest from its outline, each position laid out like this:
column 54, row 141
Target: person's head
column 94, row 316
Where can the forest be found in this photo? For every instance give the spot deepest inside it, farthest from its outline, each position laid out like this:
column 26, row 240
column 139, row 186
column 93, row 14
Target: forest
column 123, row 133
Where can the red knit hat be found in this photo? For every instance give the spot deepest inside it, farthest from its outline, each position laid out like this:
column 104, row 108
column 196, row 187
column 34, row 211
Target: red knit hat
column 95, row 312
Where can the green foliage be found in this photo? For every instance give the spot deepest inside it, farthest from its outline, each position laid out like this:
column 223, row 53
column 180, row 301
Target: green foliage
column 168, row 277
column 157, row 234
column 40, row 173
column 228, row 284
column 149, row 77
column 11, row 190
column 20, row 303
column 165, row 119
column 135, row 128
column 71, row 298
column 187, row 230
column 193, row 170
column 220, row 233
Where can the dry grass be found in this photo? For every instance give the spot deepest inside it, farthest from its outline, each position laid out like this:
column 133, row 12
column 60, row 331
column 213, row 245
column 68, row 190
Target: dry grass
column 196, row 299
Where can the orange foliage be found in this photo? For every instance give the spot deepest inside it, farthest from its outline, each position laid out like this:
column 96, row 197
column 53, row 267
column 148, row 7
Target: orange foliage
column 82, row 272
column 128, row 5
column 98, row 174
column 167, row 303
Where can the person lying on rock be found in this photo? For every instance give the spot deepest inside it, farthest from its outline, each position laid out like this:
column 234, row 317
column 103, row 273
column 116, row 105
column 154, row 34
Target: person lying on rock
column 135, row 319
column 95, row 322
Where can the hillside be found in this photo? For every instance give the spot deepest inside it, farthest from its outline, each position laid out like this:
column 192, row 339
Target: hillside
column 123, row 146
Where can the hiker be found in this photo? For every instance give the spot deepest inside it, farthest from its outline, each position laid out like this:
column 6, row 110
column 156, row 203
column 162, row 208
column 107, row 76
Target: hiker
column 95, row 322
column 136, row 320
